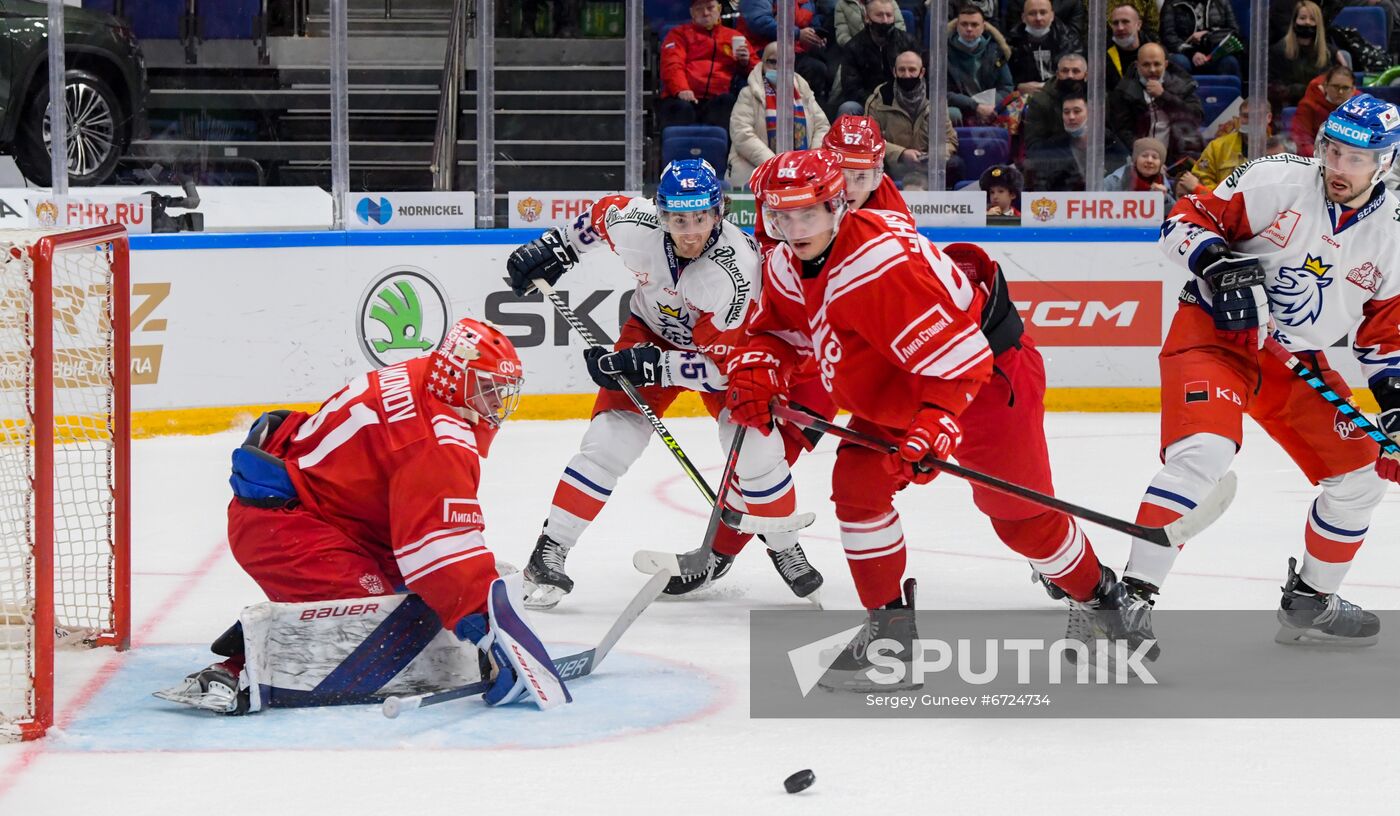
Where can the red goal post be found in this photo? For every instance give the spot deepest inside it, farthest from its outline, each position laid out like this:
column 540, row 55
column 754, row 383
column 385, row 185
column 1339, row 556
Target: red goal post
column 65, row 440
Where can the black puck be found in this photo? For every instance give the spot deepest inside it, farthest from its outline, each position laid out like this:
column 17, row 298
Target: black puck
column 800, row 781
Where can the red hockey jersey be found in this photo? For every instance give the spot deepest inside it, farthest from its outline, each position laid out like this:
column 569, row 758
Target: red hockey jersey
column 396, row 469
column 890, row 322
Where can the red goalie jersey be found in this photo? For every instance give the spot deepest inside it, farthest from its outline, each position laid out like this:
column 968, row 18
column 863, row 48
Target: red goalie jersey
column 889, row 323
column 396, row 471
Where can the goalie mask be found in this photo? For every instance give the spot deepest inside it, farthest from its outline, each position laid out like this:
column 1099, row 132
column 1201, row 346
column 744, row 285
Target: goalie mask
column 476, row 368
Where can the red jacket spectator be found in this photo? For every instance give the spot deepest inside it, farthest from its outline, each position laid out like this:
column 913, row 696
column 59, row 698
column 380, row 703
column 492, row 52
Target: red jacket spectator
column 701, row 61
column 1317, row 103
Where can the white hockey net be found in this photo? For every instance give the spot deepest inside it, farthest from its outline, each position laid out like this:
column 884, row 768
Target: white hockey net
column 63, row 428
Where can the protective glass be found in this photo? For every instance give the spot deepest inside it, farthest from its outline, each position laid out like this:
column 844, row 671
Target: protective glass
column 692, row 222
column 803, row 223
column 863, row 181
column 494, row 396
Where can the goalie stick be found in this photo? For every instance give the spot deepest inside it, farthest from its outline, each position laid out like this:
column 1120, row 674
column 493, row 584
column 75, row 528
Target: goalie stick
column 570, row 667
column 1345, row 408
column 694, row 561
column 1173, row 535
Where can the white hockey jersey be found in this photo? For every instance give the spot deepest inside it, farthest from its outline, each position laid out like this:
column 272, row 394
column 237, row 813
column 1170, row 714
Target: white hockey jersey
column 1329, row 270
column 690, row 305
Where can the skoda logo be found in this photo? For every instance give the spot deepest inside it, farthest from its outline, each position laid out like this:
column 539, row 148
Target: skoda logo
column 402, row 314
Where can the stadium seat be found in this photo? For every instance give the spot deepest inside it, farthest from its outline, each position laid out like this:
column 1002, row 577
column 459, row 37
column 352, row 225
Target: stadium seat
column 982, row 131
column 696, row 142
column 1370, row 21
column 908, row 20
column 966, row 183
column 1220, row 81
column 980, row 152
column 156, row 20
column 228, row 19
column 1286, row 119
column 1214, row 101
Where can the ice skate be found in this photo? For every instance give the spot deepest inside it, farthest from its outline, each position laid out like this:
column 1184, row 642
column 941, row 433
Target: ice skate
column 546, row 583
column 1118, row 611
column 797, row 572
column 212, row 689
column 716, row 567
column 851, row 670
column 1308, row 618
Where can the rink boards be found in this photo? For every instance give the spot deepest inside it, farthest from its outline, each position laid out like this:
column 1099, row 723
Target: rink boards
column 223, row 324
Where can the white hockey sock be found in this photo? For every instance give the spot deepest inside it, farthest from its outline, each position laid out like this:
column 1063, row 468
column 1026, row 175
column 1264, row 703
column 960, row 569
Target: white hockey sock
column 1193, row 466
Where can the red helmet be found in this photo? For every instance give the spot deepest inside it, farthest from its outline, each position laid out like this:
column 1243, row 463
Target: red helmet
column 800, row 179
column 858, row 140
column 476, row 367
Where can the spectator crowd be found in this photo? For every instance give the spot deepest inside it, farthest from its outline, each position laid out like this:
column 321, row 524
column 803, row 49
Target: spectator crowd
column 1018, row 101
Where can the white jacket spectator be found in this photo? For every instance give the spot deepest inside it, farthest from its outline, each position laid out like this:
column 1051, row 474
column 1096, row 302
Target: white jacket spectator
column 753, row 125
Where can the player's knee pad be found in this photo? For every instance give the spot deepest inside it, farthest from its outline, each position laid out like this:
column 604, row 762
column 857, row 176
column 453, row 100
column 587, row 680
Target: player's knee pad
column 1033, row 536
column 1349, row 499
column 614, row 440
column 1201, row 456
column 861, row 488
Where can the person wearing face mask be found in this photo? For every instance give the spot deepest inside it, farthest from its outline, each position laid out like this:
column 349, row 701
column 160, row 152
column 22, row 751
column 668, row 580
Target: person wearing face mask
column 976, row 64
column 1070, row 12
column 1220, row 158
column 1299, row 55
column 900, row 107
column 753, row 127
column 1146, row 172
column 870, row 55
column 1159, row 100
column 1127, row 36
column 850, row 19
column 1061, row 163
column 1324, row 94
column 1040, row 119
column 1148, row 13
column 1037, row 43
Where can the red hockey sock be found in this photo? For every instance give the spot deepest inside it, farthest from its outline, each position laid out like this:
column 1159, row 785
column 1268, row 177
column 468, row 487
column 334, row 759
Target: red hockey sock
column 1057, row 548
column 875, row 552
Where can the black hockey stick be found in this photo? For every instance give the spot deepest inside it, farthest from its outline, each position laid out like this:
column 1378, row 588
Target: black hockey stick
column 695, row 560
column 570, row 667
column 1205, row 513
column 1316, row 383
column 651, row 561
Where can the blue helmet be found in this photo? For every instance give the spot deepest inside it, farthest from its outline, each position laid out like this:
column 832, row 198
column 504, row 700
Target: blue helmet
column 1366, row 123
column 689, row 185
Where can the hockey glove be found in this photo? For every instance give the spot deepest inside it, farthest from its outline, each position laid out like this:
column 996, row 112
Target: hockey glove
column 640, row 365
column 548, row 256
column 753, row 385
column 1387, row 393
column 1239, row 304
column 934, row 432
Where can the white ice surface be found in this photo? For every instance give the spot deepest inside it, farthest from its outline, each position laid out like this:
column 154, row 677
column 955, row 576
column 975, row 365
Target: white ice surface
column 664, row 728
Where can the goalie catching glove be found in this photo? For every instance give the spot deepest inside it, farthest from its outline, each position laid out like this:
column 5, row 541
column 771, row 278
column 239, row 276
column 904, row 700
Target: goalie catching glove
column 1239, row 304
column 548, row 256
column 934, row 432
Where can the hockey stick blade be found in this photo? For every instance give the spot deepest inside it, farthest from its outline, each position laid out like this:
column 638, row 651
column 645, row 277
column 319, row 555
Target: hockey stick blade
column 650, row 562
column 1205, row 513
column 570, row 667
column 1192, row 523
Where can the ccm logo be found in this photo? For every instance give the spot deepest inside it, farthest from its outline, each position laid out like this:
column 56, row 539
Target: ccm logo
column 349, row 610
column 1090, row 313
